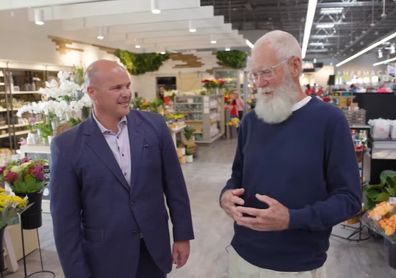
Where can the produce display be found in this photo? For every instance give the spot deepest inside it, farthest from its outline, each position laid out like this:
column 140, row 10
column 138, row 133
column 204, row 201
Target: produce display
column 383, row 216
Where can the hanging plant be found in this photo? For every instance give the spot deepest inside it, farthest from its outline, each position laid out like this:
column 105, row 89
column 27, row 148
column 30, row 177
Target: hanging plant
column 140, row 63
column 235, row 59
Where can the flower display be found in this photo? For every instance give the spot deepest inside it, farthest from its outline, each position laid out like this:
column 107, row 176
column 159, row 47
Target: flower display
column 212, row 83
column 24, row 175
column 63, row 100
column 9, row 207
column 233, row 122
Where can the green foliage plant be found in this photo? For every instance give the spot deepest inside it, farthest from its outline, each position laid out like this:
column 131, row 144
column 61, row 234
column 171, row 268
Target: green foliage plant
column 235, row 59
column 139, row 63
column 377, row 193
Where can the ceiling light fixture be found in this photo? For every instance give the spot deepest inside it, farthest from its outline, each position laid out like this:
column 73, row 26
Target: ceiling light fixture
column 227, row 49
column 316, row 44
column 325, row 25
column 374, row 45
column 101, row 33
column 384, row 62
column 308, row 25
column 248, row 43
column 392, row 49
column 138, row 46
column 331, row 10
column 154, row 7
column 212, row 40
column 38, row 16
column 191, row 27
column 380, row 53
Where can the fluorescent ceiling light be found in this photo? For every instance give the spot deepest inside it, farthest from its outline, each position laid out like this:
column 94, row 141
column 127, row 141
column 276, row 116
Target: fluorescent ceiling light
column 38, row 16
column 227, row 49
column 374, row 45
column 384, row 62
column 324, row 25
column 331, row 10
column 392, row 49
column 154, row 7
column 248, row 43
column 308, row 25
column 138, row 46
column 162, row 52
column 316, row 43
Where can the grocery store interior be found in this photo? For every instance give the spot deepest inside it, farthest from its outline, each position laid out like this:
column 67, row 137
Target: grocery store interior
column 187, row 62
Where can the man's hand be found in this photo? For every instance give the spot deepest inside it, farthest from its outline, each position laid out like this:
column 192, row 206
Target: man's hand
column 229, row 201
column 274, row 218
column 180, row 252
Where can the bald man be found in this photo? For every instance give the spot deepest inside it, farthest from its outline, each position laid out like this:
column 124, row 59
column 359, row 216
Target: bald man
column 109, row 177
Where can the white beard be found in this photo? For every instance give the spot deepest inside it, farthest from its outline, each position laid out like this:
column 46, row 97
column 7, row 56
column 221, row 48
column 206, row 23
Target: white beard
column 278, row 106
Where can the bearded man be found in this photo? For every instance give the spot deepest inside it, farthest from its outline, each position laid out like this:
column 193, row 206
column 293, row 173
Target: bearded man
column 294, row 175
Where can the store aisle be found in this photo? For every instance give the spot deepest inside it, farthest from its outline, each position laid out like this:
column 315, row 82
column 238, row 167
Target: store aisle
column 213, row 230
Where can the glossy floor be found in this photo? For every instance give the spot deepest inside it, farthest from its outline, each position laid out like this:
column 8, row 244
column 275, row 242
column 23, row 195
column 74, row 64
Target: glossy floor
column 213, row 230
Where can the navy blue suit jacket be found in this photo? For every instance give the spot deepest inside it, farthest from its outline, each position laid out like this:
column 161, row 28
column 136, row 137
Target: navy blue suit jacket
column 98, row 218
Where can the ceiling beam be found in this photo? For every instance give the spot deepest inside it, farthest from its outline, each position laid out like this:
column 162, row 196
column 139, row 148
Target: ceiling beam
column 22, row 4
column 139, row 18
column 217, row 21
column 112, row 8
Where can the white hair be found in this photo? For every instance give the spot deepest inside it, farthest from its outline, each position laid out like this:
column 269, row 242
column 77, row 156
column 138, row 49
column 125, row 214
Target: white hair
column 283, row 44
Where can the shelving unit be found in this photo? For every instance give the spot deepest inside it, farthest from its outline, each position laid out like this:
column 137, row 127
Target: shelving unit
column 19, row 85
column 205, row 114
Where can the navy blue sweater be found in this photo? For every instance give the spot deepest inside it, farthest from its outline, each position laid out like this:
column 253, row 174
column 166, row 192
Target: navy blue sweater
column 308, row 164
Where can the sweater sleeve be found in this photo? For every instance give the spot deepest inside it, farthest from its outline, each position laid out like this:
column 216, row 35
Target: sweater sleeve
column 237, row 167
column 342, row 179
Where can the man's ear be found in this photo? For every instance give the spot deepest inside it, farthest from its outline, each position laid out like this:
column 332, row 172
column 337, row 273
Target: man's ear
column 295, row 67
column 91, row 92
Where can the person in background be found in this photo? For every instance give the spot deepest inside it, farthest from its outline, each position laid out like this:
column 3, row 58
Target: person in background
column 294, row 174
column 309, row 91
column 382, row 89
column 109, row 177
column 240, row 104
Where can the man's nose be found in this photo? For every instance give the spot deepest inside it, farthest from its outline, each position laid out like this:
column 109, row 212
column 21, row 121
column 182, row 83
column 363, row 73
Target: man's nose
column 262, row 82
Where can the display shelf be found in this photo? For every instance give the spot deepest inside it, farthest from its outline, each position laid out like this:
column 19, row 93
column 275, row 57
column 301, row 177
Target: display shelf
column 21, row 83
column 200, row 115
column 23, row 92
column 16, row 133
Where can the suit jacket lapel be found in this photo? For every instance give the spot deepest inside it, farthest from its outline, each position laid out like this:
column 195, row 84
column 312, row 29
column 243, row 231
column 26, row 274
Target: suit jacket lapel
column 97, row 143
column 136, row 140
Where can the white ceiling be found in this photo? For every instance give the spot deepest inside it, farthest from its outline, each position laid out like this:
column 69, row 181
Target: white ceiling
column 128, row 22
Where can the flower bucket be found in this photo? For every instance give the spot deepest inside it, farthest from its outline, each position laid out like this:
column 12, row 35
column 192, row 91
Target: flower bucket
column 31, row 218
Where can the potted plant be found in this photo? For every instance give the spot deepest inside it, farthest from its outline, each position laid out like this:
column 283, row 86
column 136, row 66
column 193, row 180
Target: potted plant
column 189, row 156
column 27, row 178
column 10, row 206
column 189, row 132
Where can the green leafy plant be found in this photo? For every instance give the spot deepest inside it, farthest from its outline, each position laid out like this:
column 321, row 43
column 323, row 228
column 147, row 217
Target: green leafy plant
column 377, row 193
column 188, row 132
column 140, row 63
column 235, row 59
column 45, row 129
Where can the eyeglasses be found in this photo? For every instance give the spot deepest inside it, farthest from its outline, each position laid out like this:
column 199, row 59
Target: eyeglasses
column 266, row 74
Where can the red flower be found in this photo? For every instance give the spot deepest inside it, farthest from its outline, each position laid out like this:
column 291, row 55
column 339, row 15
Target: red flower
column 11, row 177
